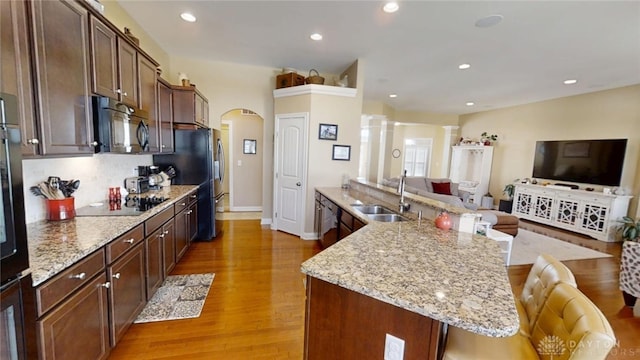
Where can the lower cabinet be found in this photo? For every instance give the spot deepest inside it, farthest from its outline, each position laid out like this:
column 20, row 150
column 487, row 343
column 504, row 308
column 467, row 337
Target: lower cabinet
column 79, row 327
column 128, row 290
column 85, row 310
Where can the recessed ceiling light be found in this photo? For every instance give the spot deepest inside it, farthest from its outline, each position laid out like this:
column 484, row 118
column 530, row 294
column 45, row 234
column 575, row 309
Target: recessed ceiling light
column 391, row 7
column 489, row 21
column 464, row 66
column 470, row 103
column 188, row 17
column 393, row 96
column 316, row 37
column 570, row 81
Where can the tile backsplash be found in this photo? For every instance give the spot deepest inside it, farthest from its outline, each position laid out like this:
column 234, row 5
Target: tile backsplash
column 96, row 174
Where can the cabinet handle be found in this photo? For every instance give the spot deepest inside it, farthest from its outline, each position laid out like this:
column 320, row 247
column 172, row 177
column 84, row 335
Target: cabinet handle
column 119, row 91
column 130, row 241
column 33, row 141
column 166, row 232
column 116, row 276
column 194, row 196
column 80, row 276
column 164, row 146
column 94, row 143
column 189, row 212
column 106, row 285
column 183, row 204
column 161, row 236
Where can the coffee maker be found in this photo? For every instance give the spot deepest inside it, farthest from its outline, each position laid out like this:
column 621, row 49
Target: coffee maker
column 152, row 173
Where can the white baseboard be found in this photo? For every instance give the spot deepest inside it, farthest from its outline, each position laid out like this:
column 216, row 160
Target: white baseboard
column 266, row 221
column 246, row 208
column 309, row 236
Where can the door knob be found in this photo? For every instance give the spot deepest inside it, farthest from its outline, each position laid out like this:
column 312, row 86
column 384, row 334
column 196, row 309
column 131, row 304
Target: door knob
column 298, row 183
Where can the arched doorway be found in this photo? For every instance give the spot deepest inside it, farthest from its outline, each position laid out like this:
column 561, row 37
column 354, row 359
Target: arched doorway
column 243, row 140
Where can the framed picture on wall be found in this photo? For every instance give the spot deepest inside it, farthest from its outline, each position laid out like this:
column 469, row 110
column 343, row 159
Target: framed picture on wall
column 249, row 146
column 328, row 132
column 341, row 152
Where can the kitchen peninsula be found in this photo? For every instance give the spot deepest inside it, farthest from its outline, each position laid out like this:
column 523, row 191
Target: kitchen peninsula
column 407, row 279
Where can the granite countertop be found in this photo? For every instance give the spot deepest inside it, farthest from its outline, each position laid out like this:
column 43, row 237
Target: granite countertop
column 453, row 277
column 56, row 245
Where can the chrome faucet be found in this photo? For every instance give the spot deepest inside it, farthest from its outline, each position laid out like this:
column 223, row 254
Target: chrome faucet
column 402, row 206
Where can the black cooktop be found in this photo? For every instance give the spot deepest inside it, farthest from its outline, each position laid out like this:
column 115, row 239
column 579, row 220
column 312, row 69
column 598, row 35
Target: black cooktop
column 132, row 205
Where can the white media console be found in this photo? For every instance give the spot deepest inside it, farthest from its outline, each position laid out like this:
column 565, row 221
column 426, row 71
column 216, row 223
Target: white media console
column 591, row 213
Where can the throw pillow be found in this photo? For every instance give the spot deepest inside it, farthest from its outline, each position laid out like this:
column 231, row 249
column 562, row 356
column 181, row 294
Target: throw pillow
column 442, row 188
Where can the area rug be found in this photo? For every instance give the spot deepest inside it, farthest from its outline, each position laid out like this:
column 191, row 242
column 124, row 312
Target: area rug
column 179, row 297
column 527, row 245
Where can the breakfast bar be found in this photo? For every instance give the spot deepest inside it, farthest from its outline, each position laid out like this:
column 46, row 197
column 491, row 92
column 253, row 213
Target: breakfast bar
column 406, row 279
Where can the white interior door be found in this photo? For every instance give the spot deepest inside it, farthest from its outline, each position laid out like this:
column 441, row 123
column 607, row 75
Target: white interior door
column 290, row 172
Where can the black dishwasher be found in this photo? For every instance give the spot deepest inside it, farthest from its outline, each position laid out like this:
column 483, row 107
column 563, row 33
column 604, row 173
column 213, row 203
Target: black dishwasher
column 328, row 222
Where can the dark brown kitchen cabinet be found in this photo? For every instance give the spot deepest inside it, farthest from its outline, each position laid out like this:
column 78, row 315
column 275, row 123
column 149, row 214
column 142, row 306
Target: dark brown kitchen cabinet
column 157, row 232
column 127, row 73
column 169, row 250
column 165, row 116
column 15, row 72
column 128, row 291
column 104, row 59
column 73, row 311
column 148, row 99
column 61, row 64
column 190, row 106
column 186, row 223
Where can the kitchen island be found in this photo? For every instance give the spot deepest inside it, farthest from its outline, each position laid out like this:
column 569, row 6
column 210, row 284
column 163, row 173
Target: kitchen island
column 407, row 279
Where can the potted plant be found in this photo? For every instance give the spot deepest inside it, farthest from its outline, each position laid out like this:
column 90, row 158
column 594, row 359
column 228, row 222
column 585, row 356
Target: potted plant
column 630, row 260
column 487, row 139
column 509, row 190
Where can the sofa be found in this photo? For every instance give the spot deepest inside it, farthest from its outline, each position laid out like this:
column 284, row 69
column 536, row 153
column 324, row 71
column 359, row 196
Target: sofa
column 556, row 321
column 446, row 191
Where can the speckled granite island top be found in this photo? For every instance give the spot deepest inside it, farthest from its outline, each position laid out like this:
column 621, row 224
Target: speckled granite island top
column 456, row 278
column 56, row 245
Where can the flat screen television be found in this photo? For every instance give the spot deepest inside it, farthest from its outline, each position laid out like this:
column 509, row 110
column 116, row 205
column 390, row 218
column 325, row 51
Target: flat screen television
column 597, row 162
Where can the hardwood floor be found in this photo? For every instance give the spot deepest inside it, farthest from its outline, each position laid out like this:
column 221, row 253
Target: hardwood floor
column 255, row 308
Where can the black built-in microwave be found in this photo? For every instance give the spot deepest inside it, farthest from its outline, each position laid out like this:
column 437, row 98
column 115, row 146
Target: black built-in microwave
column 118, row 127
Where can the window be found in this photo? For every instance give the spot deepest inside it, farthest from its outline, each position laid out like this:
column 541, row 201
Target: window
column 417, row 156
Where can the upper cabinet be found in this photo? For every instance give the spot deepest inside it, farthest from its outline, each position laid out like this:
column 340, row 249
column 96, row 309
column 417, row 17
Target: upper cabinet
column 15, row 72
column 148, row 98
column 128, row 73
column 61, row 64
column 190, row 106
column 165, row 116
column 104, row 58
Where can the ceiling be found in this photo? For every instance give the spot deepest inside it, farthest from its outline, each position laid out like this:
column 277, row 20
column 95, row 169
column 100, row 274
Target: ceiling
column 415, row 52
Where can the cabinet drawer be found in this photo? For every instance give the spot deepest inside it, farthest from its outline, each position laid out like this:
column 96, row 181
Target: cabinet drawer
column 192, row 197
column 182, row 204
column 157, row 220
column 346, row 219
column 125, row 242
column 63, row 284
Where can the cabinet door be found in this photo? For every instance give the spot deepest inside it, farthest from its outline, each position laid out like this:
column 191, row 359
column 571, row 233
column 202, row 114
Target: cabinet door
column 205, row 113
column 182, row 233
column 15, row 72
column 61, row 54
column 128, row 291
column 169, row 243
column 192, row 214
column 522, row 203
column 199, row 110
column 104, row 59
column 184, row 106
column 165, row 117
column 594, row 217
column 566, row 211
column 127, row 73
column 543, row 206
column 78, row 327
column 154, row 246
column 148, row 97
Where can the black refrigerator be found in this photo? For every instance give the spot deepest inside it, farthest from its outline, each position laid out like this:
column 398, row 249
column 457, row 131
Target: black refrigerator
column 198, row 159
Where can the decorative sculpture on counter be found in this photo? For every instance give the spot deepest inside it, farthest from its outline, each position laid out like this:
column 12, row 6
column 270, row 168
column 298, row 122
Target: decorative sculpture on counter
column 443, row 221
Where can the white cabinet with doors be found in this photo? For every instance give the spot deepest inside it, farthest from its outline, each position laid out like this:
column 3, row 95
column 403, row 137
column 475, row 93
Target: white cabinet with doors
column 471, row 169
column 589, row 213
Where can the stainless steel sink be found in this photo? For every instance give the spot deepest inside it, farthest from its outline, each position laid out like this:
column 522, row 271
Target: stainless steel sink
column 373, row 209
column 379, row 213
column 387, row 217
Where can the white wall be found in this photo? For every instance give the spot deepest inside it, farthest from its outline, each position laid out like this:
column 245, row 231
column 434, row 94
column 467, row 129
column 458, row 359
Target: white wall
column 96, row 174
